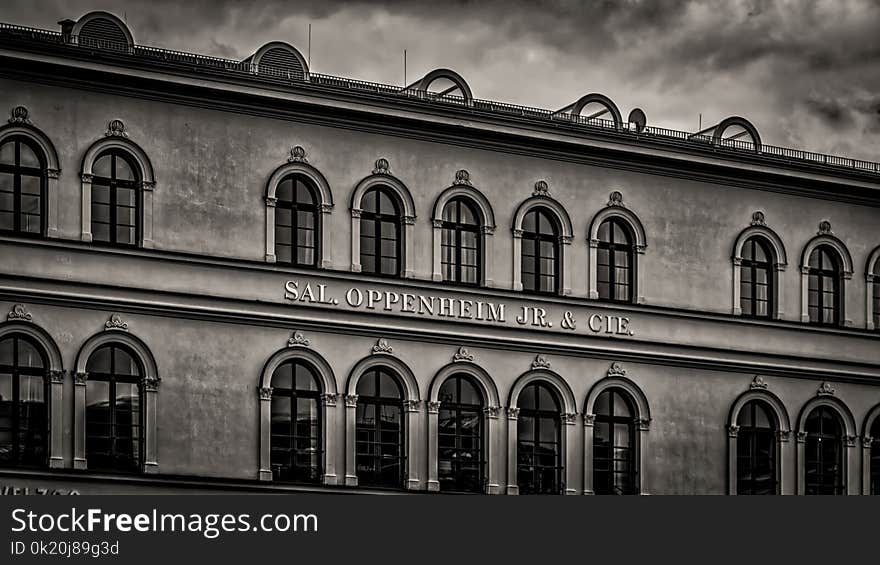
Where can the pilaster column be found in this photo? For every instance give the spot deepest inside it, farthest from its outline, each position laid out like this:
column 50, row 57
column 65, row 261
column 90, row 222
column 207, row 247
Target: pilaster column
column 512, row 434
column 569, row 437
column 409, row 245
column 86, row 210
column 732, row 439
column 355, row 245
column 329, row 433
column 351, row 479
column 151, row 442
column 436, row 245
column 867, row 441
column 495, row 457
column 489, row 251
column 79, row 420
column 327, row 239
column 593, row 269
column 517, row 263
column 271, row 202
column 56, row 418
column 265, row 473
column 589, row 420
column 433, row 445
column 737, row 290
column 412, row 410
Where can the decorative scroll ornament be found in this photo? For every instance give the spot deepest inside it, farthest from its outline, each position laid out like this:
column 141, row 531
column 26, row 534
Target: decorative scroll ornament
column 824, row 227
column 411, row 405
column 382, row 346
column 265, row 393
column 351, row 400
column 513, row 413
column 19, row 115
column 758, row 218
column 825, row 389
column 540, row 362
column 433, row 406
column 783, row 435
column 616, row 199
column 298, row 339
column 87, row 177
column 462, row 178
column 19, row 312
column 568, row 418
column 615, row 370
column 80, row 378
column 56, row 376
column 151, row 383
column 802, row 437
column 329, row 398
column 116, row 129
column 867, row 441
column 383, row 167
column 115, row 323
column 733, row 430
column 589, row 419
column 541, row 189
column 297, row 155
column 851, row 441
column 491, row 411
column 644, row 424
column 758, row 383
column 463, row 355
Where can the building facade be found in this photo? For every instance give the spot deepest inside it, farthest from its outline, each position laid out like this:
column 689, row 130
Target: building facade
column 225, row 274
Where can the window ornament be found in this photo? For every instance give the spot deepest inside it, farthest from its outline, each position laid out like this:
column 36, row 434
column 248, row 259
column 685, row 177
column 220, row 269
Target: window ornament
column 433, row 407
column 733, row 430
column 568, row 418
column 80, row 378
column 802, row 437
column 825, row 228
column 116, row 129
column 491, row 411
column 758, row 383
column 329, row 398
column 616, row 199
column 851, row 441
column 411, row 405
column 19, row 115
column 87, row 177
column 19, row 312
column 298, row 339
column 758, row 218
column 115, row 323
column 540, row 362
column 297, row 155
column 825, row 389
column 615, row 370
column 150, row 383
column 265, row 393
column 589, row 419
column 351, row 400
column 462, row 178
column 382, row 346
column 644, row 424
column 867, row 441
column 783, row 435
column 513, row 413
column 541, row 189
column 383, row 167
column 462, row 355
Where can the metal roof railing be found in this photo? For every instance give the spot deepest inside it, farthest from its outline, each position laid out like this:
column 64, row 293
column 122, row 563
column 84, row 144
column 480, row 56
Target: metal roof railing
column 267, row 73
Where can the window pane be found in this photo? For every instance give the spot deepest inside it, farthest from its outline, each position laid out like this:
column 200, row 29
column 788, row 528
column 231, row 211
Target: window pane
column 101, row 167
column 124, row 170
column 7, row 153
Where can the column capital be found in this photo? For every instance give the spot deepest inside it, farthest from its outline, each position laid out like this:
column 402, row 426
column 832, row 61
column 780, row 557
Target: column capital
column 151, row 383
column 329, row 398
column 351, row 400
column 56, row 376
column 80, row 378
column 433, row 406
column 265, row 393
column 513, row 413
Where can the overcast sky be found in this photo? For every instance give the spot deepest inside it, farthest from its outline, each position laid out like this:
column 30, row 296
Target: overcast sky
column 806, row 73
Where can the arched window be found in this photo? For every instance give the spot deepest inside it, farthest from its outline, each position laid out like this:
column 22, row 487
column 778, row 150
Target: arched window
column 614, row 444
column 540, row 251
column 824, row 468
column 875, row 457
column 116, row 199
column 114, row 418
column 756, row 279
column 379, row 429
column 460, row 242
column 539, row 441
column 756, row 450
column 615, row 261
column 22, row 187
column 824, row 301
column 24, row 414
column 296, row 222
column 461, row 464
column 381, row 247
column 296, row 424
column 876, row 296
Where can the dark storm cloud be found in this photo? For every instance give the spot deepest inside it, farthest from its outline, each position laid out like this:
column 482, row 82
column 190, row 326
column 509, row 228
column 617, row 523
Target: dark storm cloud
column 804, row 71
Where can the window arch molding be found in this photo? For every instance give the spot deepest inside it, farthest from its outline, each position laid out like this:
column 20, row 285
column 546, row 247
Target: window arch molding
column 569, row 405
column 850, row 432
column 487, row 226
column 615, row 209
column 867, row 441
column 325, row 207
column 55, row 373
column 825, row 237
column 36, row 136
column 780, row 262
column 118, row 141
column 782, row 435
column 382, row 176
column 149, row 388
column 329, row 399
column 542, row 199
column 643, row 417
column 411, row 405
column 101, row 15
column 871, row 279
column 283, row 46
column 492, row 424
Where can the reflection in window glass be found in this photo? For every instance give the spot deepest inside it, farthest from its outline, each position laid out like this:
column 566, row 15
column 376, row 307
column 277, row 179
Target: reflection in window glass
column 23, row 403
column 379, row 429
column 296, row 449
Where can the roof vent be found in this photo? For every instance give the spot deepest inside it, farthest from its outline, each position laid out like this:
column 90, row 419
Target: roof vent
column 279, row 59
column 102, row 30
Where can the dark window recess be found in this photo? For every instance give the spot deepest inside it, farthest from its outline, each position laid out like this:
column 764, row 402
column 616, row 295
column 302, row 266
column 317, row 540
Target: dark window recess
column 461, row 461
column 114, row 419
column 381, row 221
column 24, row 408
column 756, row 279
column 461, row 244
column 614, row 444
column 539, row 441
column 756, row 450
column 379, row 430
column 22, row 188
column 540, row 268
column 297, row 222
column 116, row 200
column 823, row 471
column 825, row 300
column 296, row 428
column 615, row 261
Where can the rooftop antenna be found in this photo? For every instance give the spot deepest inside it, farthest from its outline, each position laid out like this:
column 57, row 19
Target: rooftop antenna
column 700, row 123
column 310, row 46
column 404, row 67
